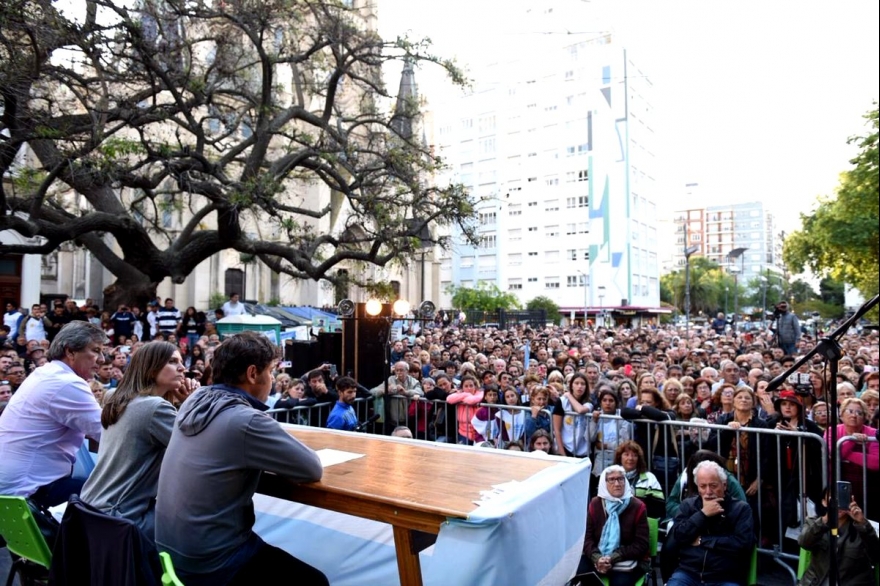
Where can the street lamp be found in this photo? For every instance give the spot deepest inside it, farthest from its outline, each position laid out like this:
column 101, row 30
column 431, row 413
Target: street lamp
column 763, row 301
column 601, row 290
column 732, row 256
column 687, row 288
column 586, row 304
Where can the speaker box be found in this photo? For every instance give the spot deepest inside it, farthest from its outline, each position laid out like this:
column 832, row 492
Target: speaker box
column 364, row 339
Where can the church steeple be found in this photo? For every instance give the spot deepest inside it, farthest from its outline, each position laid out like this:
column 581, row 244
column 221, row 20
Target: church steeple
column 407, row 102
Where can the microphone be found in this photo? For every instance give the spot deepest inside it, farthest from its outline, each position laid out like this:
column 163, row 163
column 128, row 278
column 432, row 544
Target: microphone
column 373, row 419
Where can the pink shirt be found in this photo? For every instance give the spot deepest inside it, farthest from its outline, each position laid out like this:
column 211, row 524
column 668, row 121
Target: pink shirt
column 466, row 410
column 852, row 451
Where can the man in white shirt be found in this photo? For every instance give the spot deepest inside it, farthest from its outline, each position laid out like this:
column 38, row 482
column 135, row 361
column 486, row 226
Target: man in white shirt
column 49, row 417
column 233, row 306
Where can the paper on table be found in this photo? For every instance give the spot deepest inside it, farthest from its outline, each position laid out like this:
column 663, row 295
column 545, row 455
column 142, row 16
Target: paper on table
column 329, row 456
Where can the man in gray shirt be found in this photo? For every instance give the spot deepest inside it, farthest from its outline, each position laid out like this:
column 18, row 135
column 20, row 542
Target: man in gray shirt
column 221, row 442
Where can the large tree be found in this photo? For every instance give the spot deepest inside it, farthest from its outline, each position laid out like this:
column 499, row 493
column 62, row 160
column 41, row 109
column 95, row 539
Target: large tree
column 166, row 133
column 841, row 237
column 709, row 285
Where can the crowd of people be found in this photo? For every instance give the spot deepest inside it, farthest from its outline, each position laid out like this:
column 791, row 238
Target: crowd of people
column 672, row 422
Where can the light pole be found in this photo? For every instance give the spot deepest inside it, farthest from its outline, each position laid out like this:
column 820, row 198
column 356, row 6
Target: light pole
column 601, row 289
column 726, row 291
column 732, row 256
column 586, row 304
column 763, row 300
column 687, row 288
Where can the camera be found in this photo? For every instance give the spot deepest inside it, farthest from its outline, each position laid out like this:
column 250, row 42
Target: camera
column 801, row 383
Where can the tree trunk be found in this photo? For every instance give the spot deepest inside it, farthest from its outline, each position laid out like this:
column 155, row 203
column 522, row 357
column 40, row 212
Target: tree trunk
column 131, row 292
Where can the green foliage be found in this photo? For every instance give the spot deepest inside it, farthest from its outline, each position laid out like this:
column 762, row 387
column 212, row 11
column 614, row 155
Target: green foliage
column 774, row 290
column 841, row 237
column 548, row 305
column 216, row 300
column 802, row 291
column 709, row 284
column 486, row 297
column 381, row 290
column 826, row 310
column 832, row 291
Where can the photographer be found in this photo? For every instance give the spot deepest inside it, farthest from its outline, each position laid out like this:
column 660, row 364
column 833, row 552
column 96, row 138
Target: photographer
column 788, row 328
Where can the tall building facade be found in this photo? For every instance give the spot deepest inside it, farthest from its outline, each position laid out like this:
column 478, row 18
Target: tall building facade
column 557, row 149
column 740, row 237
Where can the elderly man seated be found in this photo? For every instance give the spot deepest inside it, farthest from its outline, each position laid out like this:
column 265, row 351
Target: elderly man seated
column 712, row 534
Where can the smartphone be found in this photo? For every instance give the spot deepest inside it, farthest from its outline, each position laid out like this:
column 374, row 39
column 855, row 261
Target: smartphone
column 333, row 371
column 844, row 494
column 192, row 374
column 285, row 364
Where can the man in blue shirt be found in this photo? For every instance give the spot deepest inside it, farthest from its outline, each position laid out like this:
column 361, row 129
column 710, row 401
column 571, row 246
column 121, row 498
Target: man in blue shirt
column 343, row 416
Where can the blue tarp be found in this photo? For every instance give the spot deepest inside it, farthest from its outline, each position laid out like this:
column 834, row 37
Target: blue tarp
column 310, row 313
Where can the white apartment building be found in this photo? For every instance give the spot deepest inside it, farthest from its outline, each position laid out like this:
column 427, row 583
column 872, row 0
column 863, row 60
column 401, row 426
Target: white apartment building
column 742, row 238
column 557, row 148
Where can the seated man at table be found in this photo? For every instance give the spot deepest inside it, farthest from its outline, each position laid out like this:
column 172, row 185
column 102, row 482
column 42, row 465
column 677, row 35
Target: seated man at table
column 343, row 416
column 46, row 421
column 221, row 442
column 712, row 534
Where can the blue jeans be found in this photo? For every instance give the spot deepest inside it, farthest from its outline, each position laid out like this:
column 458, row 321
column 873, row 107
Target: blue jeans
column 685, row 578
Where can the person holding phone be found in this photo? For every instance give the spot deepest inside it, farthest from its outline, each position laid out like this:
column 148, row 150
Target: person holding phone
column 857, row 545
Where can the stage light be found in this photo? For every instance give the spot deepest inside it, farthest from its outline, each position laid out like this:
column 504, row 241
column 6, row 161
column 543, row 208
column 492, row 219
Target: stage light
column 427, row 309
column 374, row 307
column 345, row 308
column 401, row 307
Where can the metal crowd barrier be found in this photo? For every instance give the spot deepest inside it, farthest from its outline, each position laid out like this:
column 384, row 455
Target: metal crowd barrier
column 864, row 451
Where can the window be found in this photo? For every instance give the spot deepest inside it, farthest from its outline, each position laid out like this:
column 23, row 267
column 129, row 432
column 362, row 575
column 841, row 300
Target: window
column 583, row 175
column 571, row 254
column 531, row 179
column 551, row 256
column 514, row 209
column 583, row 227
column 467, row 123
column 570, row 177
column 570, row 202
column 551, row 181
column 571, row 281
column 533, row 204
column 487, row 218
column 467, row 262
column 487, row 146
column 515, row 259
column 585, row 253
column 551, row 283
column 533, row 254
column 583, row 149
column 583, row 201
column 695, row 237
column 551, row 205
column 533, row 228
column 487, row 241
column 486, row 123
column 552, row 231
column 569, row 151
column 570, row 229
column 514, row 235
column 514, row 284
column 532, row 279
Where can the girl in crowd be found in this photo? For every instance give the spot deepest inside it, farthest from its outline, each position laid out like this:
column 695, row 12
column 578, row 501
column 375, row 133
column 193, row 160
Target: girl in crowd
column 645, row 485
column 656, row 440
column 570, row 418
column 687, row 386
column 626, row 390
column 467, row 400
column 191, row 327
column 685, row 409
column 617, row 531
column 483, row 421
column 137, row 419
column 606, row 433
column 537, row 419
column 540, row 441
column 511, row 422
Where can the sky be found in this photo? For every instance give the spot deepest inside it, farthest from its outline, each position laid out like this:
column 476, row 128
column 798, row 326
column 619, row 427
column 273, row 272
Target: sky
column 753, row 100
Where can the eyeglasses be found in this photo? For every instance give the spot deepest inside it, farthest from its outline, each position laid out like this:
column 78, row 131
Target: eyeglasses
column 727, row 394
column 855, row 412
column 615, row 480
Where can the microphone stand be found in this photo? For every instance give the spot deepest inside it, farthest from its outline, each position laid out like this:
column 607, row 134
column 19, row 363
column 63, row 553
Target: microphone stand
column 829, row 347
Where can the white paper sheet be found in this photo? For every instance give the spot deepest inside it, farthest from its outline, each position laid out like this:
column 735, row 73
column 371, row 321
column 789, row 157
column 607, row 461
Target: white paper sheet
column 329, row 456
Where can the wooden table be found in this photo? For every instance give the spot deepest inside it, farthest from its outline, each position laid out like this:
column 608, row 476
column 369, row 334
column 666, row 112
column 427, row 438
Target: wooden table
column 412, row 485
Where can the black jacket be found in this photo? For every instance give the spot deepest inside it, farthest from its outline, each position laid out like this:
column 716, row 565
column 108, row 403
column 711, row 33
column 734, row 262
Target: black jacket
column 726, row 541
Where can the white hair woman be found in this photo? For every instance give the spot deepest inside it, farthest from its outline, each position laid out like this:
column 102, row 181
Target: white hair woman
column 616, row 541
